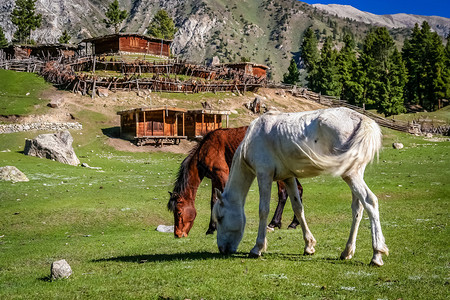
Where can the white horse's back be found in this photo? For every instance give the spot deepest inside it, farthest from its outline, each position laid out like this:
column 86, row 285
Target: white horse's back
column 337, row 141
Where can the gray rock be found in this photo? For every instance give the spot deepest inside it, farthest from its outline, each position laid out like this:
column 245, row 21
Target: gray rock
column 102, row 92
column 11, row 173
column 55, row 103
column 165, row 228
column 55, row 146
column 60, row 269
column 397, row 146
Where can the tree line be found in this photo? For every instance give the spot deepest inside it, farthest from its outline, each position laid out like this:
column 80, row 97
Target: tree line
column 25, row 18
column 378, row 75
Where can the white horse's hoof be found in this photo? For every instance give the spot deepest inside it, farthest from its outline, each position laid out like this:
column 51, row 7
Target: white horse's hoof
column 376, row 263
column 345, row 256
column 270, row 229
column 309, row 251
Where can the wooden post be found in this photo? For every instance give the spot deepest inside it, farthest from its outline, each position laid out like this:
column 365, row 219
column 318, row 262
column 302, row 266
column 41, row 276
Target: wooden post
column 145, row 125
column 164, row 122
column 175, row 130
column 137, row 123
column 183, row 125
column 203, row 121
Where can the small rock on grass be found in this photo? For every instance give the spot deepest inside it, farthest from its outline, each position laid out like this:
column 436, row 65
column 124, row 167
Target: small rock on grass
column 165, row 228
column 60, row 269
column 397, row 146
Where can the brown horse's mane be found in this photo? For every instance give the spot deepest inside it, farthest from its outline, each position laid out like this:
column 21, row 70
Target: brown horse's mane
column 182, row 181
column 183, row 172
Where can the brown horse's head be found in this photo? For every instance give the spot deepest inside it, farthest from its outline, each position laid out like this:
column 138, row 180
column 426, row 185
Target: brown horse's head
column 184, row 214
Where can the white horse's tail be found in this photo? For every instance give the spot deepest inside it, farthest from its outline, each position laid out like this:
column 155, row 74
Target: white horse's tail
column 358, row 152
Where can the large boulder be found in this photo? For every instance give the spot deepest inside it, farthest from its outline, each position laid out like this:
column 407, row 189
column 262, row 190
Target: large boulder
column 55, row 146
column 11, row 173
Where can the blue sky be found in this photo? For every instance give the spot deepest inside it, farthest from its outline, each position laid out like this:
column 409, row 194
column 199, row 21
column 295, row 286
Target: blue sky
column 382, row 7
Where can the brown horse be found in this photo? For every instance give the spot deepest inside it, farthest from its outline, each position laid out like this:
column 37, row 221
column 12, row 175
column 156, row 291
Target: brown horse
column 211, row 158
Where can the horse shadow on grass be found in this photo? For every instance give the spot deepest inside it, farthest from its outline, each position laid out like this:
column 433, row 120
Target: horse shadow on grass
column 203, row 255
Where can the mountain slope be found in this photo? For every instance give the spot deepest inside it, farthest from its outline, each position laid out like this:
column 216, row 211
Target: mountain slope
column 264, row 31
column 440, row 24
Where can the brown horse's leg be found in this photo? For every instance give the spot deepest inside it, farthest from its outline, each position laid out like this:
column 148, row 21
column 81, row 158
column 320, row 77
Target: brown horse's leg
column 295, row 221
column 217, row 183
column 212, row 224
column 282, row 197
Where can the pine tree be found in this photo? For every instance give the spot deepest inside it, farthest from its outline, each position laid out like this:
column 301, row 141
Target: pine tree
column 292, row 76
column 3, row 41
column 162, row 26
column 25, row 18
column 446, row 73
column 347, row 70
column 115, row 16
column 395, row 81
column 384, row 75
column 64, row 38
column 327, row 81
column 310, row 56
column 424, row 57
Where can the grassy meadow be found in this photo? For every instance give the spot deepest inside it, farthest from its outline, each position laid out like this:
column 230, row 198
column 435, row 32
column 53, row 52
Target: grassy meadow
column 103, row 223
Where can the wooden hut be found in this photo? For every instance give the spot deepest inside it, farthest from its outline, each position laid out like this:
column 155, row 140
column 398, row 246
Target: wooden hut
column 250, row 68
column 168, row 124
column 128, row 43
column 200, row 122
column 17, row 51
column 49, row 51
column 159, row 125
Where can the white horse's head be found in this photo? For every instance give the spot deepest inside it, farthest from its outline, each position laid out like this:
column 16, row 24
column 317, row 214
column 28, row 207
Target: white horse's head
column 230, row 221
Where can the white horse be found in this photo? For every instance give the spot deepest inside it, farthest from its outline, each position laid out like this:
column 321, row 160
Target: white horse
column 277, row 146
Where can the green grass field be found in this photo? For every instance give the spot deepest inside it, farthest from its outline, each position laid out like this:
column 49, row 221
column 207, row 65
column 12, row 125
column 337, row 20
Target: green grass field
column 103, row 223
column 20, row 92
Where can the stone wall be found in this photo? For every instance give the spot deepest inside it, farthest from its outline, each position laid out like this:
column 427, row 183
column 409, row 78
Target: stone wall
column 50, row 126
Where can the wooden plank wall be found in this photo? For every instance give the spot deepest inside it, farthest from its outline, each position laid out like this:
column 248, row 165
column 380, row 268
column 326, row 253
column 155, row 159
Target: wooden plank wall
column 140, row 45
column 110, row 45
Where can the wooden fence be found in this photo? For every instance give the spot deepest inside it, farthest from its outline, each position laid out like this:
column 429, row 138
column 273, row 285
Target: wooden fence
column 22, row 65
column 331, row 101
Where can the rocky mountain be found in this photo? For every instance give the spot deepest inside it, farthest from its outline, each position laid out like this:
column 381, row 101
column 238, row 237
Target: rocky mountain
column 264, row 31
column 440, row 24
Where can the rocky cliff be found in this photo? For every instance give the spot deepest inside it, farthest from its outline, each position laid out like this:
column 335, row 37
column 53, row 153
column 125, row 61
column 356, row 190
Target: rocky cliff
column 264, row 31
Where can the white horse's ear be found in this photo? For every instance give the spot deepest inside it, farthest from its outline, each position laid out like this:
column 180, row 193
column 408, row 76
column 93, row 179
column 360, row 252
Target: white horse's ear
column 218, row 196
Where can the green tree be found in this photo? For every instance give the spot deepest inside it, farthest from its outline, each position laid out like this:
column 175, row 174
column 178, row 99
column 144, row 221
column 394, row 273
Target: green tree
column 25, row 18
column 327, row 79
column 447, row 67
column 424, row 56
column 383, row 78
column 395, row 82
column 292, row 76
column 115, row 16
column 3, row 41
column 310, row 56
column 64, row 38
column 162, row 26
column 347, row 69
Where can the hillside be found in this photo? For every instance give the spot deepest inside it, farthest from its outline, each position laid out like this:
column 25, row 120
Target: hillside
column 101, row 111
column 267, row 32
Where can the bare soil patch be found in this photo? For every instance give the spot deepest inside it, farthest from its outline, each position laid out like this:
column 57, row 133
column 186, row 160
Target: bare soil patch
column 71, row 104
